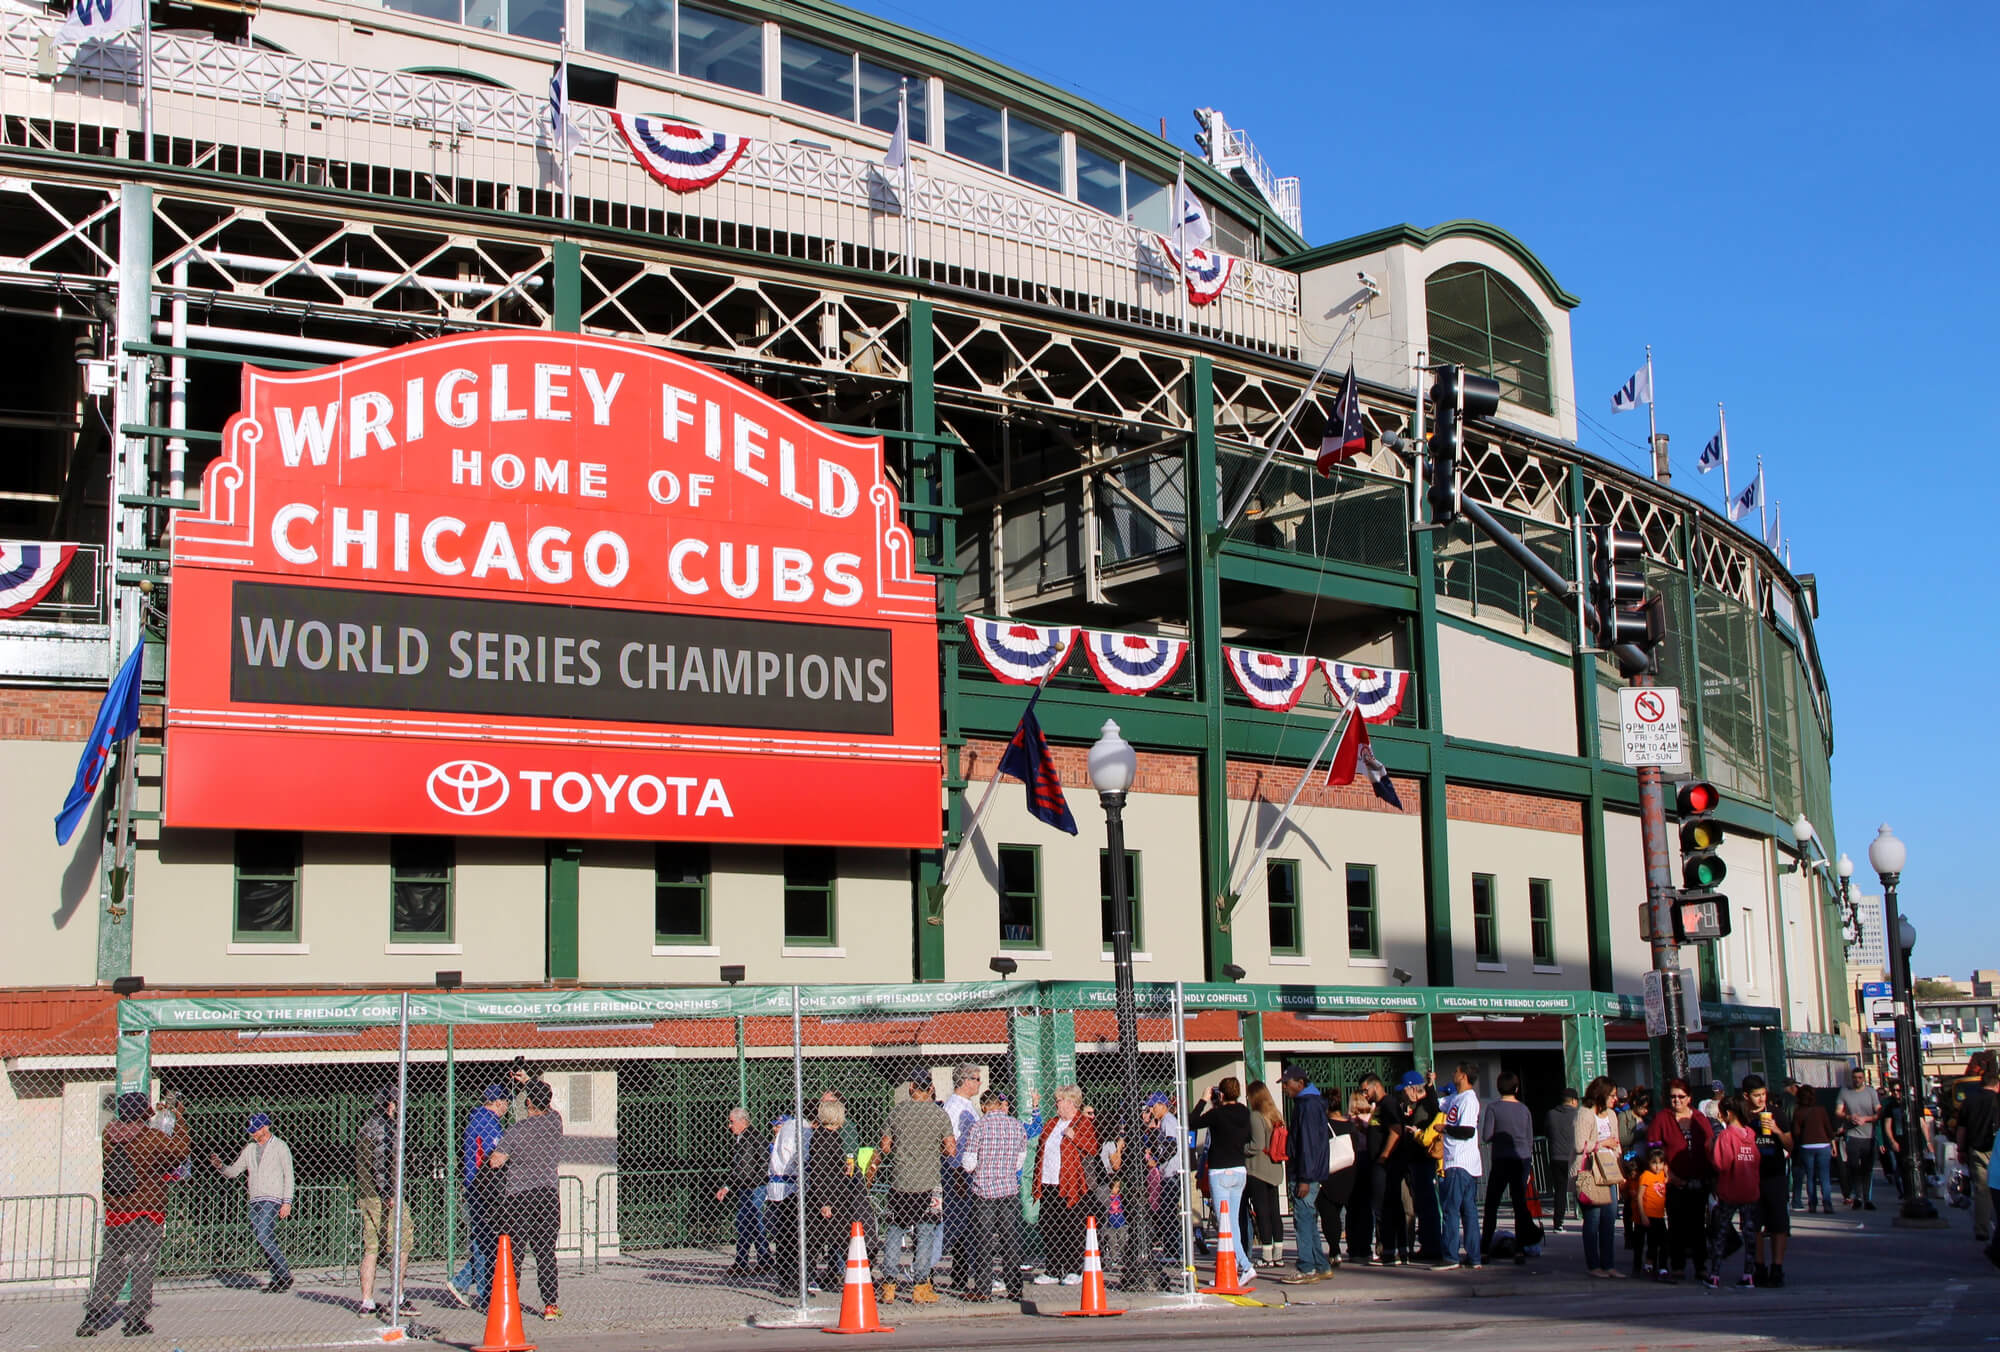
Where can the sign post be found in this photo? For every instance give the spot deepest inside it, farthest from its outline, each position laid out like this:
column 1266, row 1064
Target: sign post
column 548, row 586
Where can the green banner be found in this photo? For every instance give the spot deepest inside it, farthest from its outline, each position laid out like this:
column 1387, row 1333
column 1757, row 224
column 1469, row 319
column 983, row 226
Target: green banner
column 135, row 1062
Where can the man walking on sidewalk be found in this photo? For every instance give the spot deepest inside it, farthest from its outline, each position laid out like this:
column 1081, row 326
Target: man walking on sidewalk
column 749, row 1168
column 1978, row 1116
column 1461, row 1172
column 1858, row 1108
column 1307, row 1135
column 1560, row 1128
column 268, row 1162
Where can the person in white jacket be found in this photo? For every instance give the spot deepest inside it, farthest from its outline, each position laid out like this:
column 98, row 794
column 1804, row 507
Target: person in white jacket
column 267, row 1161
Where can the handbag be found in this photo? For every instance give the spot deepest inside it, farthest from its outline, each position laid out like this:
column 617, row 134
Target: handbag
column 1339, row 1153
column 1597, row 1179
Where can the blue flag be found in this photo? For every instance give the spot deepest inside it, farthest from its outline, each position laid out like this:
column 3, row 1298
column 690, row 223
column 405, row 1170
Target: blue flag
column 1027, row 759
column 117, row 719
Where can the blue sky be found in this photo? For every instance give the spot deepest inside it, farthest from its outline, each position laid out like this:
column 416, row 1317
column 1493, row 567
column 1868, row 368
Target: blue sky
column 1794, row 206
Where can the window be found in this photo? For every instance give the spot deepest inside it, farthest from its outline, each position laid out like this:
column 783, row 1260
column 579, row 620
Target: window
column 1542, row 920
column 722, row 50
column 1020, row 896
column 818, row 77
column 267, row 887
column 642, row 33
column 1034, row 153
column 1131, row 891
column 680, row 893
column 1485, row 923
column 420, row 888
column 1146, row 204
column 1281, row 899
column 880, row 88
column 973, row 129
column 1100, row 181
column 1364, row 940
column 809, row 902
column 1481, row 320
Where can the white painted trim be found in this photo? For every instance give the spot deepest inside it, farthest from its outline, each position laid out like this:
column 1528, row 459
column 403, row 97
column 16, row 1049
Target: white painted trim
column 1379, row 964
column 1290, row 960
column 423, row 950
column 811, row 951
column 1548, row 971
column 1028, row 954
column 268, row 950
column 1136, row 957
column 687, row 951
column 1489, row 966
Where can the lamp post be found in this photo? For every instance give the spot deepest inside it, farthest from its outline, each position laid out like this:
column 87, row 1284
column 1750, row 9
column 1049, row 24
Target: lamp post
column 1886, row 855
column 1113, row 765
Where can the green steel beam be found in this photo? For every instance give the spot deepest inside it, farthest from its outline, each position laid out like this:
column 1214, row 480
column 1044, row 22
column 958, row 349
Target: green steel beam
column 566, row 256
column 1517, row 769
column 1205, row 628
column 1307, row 576
column 928, row 958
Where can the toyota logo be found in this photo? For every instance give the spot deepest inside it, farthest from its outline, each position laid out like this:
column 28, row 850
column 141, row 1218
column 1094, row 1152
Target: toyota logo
column 467, row 788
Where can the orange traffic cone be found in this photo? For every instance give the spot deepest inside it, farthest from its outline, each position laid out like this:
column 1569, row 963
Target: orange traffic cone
column 1096, row 1301
column 503, row 1312
column 857, row 1296
column 1226, row 1283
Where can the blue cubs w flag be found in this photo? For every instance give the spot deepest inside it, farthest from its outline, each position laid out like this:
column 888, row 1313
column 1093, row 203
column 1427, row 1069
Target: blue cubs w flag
column 117, row 719
column 1027, row 759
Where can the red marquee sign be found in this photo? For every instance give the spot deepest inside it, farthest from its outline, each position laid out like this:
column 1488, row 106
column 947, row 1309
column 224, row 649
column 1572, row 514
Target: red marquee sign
column 521, row 584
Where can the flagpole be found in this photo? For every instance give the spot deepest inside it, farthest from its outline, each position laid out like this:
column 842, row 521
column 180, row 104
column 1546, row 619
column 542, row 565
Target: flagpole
column 1180, row 234
column 909, row 181
column 1333, row 730
column 562, row 132
column 1722, row 425
column 1763, row 513
column 949, row 869
column 146, row 77
column 1277, row 435
column 1652, row 418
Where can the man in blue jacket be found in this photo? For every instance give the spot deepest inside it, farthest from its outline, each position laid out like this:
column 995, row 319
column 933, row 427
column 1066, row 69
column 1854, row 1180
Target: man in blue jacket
column 1307, row 1136
column 482, row 1133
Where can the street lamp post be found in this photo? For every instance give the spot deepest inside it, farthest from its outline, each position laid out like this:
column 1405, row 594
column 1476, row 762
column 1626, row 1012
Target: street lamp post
column 1886, row 855
column 1113, row 765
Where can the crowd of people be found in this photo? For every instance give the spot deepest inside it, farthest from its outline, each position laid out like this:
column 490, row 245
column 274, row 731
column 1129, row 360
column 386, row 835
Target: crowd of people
column 949, row 1192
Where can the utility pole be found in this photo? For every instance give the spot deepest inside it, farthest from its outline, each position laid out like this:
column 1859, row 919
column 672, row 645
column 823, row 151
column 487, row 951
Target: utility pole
column 1660, row 895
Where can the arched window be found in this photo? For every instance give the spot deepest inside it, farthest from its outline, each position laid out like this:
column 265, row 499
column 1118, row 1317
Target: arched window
column 1481, row 321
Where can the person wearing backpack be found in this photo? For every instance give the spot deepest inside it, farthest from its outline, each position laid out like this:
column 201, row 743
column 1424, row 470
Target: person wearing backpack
column 136, row 1159
column 1265, row 1163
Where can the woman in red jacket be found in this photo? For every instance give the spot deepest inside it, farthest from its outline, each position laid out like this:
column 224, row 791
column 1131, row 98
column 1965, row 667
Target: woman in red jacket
column 1062, row 1187
column 1687, row 1137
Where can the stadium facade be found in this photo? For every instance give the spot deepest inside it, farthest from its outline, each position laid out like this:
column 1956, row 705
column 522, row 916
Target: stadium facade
column 332, row 181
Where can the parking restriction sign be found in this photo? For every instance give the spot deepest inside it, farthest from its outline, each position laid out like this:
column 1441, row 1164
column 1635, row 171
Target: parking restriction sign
column 1649, row 722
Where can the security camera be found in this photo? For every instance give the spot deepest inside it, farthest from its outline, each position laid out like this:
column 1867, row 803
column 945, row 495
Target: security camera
column 1369, row 282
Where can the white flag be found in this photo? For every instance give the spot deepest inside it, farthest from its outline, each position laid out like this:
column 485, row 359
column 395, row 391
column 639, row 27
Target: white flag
column 93, row 19
column 1777, row 531
column 1190, row 218
column 899, row 144
column 1744, row 502
column 1634, row 392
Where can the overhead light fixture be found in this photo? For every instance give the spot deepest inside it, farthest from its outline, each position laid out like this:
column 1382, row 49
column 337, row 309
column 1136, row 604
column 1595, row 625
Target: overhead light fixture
column 732, row 972
column 1005, row 966
column 127, row 985
column 1233, row 972
column 449, row 981
column 1403, row 978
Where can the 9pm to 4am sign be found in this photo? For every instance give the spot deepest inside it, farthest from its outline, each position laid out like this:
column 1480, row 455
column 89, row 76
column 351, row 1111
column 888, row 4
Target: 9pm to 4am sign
column 1649, row 725
column 536, row 585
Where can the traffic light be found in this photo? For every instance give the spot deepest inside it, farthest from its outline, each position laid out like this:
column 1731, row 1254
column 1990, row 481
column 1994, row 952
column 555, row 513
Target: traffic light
column 1700, row 912
column 1456, row 395
column 1626, row 613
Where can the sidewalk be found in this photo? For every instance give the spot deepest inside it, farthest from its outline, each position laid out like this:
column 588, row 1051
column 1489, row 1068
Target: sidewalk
column 668, row 1299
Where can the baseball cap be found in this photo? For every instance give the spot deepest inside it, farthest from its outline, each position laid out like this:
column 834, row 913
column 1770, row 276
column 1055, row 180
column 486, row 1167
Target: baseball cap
column 1412, row 1079
column 1291, row 1071
column 492, row 1092
column 1157, row 1099
column 258, row 1121
column 134, row 1106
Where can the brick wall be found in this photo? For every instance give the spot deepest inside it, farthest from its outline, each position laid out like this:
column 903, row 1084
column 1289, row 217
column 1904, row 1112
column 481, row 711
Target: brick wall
column 30, row 714
column 1158, row 772
column 1498, row 807
column 1257, row 781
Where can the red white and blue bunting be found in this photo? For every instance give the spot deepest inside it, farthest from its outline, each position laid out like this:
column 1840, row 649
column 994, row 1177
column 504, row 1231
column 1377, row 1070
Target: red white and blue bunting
column 29, row 572
column 1207, row 273
column 1272, row 681
column 1133, row 664
column 681, row 156
column 1020, row 654
column 1375, row 692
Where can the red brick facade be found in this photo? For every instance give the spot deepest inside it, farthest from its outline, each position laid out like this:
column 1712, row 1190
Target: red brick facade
column 29, row 714
column 1498, row 807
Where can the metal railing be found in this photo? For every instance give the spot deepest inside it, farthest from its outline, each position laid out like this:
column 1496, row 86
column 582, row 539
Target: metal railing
column 48, row 1237
column 263, row 114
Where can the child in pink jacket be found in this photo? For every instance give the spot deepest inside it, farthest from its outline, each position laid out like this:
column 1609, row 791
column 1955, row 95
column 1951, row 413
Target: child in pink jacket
column 1737, row 1186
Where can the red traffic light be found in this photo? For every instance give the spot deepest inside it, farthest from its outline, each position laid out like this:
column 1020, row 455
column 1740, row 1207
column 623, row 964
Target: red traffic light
column 1695, row 797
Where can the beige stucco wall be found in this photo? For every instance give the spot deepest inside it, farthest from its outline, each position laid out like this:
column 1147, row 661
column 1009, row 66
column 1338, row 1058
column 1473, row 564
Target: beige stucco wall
column 1163, row 829
column 52, row 890
column 746, row 919
column 183, row 932
column 1513, row 855
column 1494, row 692
column 1625, row 873
column 1324, row 841
column 1749, row 971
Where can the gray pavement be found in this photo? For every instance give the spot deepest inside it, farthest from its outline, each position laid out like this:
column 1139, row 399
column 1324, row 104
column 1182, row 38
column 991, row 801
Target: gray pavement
column 1853, row 1280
